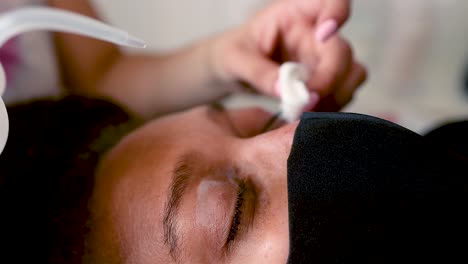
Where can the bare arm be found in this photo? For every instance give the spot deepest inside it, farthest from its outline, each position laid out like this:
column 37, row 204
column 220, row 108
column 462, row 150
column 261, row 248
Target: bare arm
column 147, row 85
column 201, row 73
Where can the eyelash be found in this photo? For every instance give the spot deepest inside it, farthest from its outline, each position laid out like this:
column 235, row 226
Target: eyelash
column 236, row 219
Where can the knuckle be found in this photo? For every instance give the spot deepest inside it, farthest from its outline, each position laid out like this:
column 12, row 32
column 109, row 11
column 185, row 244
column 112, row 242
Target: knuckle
column 345, row 48
column 362, row 74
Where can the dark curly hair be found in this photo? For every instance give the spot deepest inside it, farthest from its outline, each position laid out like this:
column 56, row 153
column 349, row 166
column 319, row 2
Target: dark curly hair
column 46, row 175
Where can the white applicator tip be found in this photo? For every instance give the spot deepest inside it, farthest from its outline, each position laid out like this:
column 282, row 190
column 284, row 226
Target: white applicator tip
column 134, row 42
column 293, row 90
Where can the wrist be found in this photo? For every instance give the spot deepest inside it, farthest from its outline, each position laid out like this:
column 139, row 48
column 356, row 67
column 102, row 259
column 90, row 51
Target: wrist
column 219, row 49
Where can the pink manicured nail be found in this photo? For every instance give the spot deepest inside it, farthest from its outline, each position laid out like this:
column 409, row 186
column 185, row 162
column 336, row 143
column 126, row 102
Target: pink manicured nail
column 314, row 99
column 326, row 30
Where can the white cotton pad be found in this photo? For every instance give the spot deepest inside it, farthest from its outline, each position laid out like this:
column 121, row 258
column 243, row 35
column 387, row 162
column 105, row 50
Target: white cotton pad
column 293, row 90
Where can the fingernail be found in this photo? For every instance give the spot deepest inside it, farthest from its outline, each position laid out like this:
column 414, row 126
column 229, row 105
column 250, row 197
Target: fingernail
column 313, row 101
column 325, row 30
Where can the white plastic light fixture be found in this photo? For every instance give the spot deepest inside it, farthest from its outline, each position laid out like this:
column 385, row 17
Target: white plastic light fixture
column 26, row 19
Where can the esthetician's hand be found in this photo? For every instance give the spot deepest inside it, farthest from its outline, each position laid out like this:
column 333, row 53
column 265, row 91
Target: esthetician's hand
column 293, row 30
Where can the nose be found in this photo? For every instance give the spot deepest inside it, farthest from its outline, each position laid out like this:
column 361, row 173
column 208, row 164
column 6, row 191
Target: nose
column 264, row 158
column 278, row 140
column 267, row 153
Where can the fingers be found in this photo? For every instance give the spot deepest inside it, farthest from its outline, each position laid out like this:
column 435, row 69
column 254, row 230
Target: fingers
column 334, row 102
column 335, row 75
column 355, row 79
column 326, row 30
column 297, row 29
column 322, row 10
column 337, row 10
column 254, row 68
column 332, row 66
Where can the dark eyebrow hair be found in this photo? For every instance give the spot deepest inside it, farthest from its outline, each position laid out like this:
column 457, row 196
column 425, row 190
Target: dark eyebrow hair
column 180, row 179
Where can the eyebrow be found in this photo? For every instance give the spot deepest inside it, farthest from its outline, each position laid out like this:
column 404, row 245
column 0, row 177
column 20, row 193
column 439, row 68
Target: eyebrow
column 181, row 174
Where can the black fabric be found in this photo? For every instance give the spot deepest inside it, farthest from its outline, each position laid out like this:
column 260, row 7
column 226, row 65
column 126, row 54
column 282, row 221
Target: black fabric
column 364, row 190
column 452, row 136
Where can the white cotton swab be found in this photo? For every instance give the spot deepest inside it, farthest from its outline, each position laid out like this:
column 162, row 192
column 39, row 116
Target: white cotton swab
column 293, row 90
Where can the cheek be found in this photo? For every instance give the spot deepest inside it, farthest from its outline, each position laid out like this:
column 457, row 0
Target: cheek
column 268, row 240
column 273, row 250
column 269, row 246
column 273, row 229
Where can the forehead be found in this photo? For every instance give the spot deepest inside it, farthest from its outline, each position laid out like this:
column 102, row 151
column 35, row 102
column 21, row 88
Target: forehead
column 132, row 185
column 132, row 178
column 148, row 153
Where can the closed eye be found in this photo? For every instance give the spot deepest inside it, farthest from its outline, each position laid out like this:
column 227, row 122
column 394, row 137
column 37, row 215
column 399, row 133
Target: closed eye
column 243, row 213
column 236, row 218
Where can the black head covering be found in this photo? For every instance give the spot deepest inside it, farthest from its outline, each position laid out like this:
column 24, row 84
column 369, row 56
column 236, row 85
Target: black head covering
column 364, row 190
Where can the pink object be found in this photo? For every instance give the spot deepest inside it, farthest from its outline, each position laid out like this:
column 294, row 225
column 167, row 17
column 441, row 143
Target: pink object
column 389, row 116
column 314, row 99
column 326, row 30
column 9, row 57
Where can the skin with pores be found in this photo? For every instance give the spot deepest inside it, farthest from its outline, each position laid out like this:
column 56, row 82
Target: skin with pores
column 134, row 182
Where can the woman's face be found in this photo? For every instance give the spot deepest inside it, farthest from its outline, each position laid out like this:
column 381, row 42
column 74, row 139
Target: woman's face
column 202, row 186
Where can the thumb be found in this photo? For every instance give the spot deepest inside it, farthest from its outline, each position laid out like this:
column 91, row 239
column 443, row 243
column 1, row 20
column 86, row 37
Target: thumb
column 258, row 70
column 337, row 10
column 320, row 11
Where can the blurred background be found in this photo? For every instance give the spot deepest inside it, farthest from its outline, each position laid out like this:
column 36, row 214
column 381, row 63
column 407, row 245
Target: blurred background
column 416, row 51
